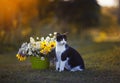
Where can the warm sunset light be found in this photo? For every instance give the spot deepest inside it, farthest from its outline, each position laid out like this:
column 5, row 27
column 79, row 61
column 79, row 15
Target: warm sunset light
column 13, row 10
column 7, row 9
column 107, row 3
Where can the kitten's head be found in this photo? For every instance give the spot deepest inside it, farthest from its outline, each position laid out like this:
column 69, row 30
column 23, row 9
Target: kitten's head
column 61, row 39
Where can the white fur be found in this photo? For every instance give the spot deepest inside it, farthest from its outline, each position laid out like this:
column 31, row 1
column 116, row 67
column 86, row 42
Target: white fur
column 60, row 48
column 67, row 66
column 62, row 65
column 77, row 68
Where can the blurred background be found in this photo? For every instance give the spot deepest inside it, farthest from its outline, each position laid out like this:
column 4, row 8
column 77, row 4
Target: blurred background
column 93, row 28
column 20, row 19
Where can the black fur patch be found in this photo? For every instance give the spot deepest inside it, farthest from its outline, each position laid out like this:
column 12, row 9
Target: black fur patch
column 61, row 37
column 75, row 58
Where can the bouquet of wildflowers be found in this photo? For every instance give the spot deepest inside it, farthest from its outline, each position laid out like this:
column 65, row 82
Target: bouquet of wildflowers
column 41, row 47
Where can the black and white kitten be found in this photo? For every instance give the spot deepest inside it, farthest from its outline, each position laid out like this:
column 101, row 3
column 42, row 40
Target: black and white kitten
column 66, row 56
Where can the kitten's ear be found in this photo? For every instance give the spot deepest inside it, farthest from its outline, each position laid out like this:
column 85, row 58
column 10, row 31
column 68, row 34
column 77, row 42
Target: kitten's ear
column 65, row 33
column 58, row 34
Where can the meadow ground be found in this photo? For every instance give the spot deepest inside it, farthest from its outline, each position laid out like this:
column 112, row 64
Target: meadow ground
column 102, row 62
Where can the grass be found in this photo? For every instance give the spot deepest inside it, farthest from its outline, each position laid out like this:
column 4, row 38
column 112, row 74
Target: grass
column 101, row 60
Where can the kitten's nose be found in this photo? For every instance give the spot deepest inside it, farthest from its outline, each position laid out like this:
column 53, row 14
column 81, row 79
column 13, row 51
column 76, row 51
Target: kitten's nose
column 63, row 43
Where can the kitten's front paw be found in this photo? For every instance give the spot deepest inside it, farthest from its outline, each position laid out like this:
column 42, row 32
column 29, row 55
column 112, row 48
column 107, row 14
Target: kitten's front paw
column 57, row 69
column 60, row 70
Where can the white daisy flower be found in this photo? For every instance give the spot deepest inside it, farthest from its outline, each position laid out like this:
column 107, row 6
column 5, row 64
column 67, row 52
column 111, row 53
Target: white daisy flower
column 42, row 38
column 32, row 40
column 47, row 39
column 50, row 34
column 38, row 45
column 55, row 33
column 37, row 38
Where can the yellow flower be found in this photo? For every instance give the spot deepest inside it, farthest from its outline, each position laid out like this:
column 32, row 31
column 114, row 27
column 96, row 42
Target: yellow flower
column 45, row 50
column 43, row 44
column 20, row 57
column 42, row 51
column 52, row 44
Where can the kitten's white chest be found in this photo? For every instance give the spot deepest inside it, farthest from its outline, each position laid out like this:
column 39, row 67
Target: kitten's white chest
column 59, row 50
